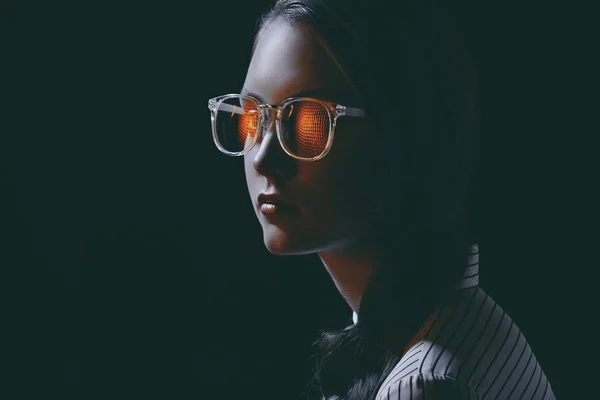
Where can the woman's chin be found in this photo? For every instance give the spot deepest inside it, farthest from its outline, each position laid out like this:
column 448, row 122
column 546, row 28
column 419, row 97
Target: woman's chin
column 278, row 245
column 279, row 242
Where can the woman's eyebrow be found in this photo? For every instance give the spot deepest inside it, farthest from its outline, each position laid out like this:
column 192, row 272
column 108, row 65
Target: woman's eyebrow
column 252, row 94
column 331, row 94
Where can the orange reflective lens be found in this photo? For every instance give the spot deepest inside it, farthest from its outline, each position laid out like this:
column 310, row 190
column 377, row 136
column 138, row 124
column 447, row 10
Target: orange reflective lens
column 305, row 128
column 237, row 124
column 248, row 123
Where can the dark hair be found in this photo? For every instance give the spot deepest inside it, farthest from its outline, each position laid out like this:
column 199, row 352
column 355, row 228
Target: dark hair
column 407, row 64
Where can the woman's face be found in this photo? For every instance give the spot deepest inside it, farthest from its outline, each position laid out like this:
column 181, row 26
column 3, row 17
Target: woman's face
column 321, row 205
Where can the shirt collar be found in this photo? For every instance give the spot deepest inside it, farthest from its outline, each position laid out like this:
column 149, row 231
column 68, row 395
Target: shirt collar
column 471, row 276
column 469, row 279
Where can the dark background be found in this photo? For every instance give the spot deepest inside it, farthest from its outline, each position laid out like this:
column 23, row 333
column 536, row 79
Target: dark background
column 132, row 262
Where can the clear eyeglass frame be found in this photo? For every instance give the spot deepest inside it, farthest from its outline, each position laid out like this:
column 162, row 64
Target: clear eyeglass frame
column 335, row 111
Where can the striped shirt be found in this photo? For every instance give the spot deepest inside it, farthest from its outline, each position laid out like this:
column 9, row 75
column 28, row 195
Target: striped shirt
column 467, row 349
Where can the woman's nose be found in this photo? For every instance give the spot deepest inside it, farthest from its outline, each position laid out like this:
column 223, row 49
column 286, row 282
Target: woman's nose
column 270, row 159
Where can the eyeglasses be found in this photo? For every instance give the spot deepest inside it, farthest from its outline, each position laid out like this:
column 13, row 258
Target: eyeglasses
column 305, row 126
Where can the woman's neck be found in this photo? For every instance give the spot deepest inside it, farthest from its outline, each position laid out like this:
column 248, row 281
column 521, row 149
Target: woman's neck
column 351, row 267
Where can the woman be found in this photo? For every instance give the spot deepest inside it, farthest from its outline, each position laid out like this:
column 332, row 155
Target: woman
column 358, row 131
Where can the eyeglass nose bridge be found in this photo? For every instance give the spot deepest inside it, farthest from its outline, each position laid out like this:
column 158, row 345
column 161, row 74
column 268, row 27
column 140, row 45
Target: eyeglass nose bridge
column 266, row 115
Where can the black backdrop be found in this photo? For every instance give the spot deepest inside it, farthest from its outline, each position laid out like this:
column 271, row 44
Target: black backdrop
column 133, row 264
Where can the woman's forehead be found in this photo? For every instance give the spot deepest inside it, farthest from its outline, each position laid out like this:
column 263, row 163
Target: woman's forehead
column 287, row 60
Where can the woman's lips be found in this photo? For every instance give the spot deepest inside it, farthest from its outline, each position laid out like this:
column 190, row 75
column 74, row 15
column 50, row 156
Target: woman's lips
column 271, row 204
column 276, row 209
column 269, row 209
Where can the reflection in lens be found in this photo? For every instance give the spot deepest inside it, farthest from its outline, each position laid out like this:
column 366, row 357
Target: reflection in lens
column 305, row 128
column 237, row 123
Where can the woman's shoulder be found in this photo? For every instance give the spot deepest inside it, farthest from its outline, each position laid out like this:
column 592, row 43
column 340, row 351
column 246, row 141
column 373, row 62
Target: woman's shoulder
column 470, row 345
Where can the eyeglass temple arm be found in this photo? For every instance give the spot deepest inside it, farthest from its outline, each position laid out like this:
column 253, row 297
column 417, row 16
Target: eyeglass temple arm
column 353, row 112
column 231, row 108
